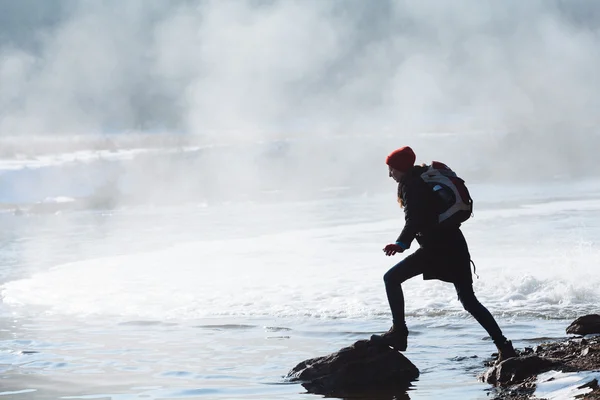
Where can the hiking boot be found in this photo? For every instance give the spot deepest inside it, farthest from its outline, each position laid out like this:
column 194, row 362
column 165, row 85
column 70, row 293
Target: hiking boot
column 506, row 350
column 395, row 337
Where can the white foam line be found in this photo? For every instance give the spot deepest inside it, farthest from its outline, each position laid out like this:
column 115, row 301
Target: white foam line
column 85, row 156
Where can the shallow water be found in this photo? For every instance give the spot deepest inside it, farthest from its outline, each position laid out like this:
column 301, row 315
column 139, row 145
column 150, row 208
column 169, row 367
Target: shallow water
column 221, row 302
column 227, row 359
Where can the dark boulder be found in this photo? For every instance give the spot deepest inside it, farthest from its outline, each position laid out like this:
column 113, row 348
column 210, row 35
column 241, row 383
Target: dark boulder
column 517, row 369
column 585, row 325
column 516, row 378
column 363, row 366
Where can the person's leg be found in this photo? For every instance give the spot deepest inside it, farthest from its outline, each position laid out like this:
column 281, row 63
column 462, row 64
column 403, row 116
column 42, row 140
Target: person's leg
column 393, row 279
column 404, row 270
column 485, row 319
column 478, row 311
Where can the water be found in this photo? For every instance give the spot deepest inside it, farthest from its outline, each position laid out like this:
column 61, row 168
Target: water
column 221, row 300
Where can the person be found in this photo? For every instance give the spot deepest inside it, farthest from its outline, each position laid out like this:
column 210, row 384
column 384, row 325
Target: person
column 442, row 254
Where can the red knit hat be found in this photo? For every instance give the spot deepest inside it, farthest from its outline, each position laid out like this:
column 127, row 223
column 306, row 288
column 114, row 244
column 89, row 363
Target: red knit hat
column 402, row 159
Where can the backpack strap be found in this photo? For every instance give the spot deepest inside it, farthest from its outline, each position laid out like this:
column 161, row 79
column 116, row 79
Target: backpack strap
column 474, row 268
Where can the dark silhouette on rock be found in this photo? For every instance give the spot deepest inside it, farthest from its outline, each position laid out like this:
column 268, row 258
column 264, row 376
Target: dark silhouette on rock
column 364, row 366
column 586, row 325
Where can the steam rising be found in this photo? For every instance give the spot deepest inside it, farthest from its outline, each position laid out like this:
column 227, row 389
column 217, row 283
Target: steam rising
column 517, row 81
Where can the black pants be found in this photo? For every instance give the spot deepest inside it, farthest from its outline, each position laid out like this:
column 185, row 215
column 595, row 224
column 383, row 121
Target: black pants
column 411, row 267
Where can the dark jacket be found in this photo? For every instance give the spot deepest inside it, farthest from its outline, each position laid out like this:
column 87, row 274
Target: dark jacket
column 420, row 206
column 443, row 250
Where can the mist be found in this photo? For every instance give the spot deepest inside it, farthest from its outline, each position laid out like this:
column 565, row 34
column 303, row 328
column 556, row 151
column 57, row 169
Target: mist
column 318, row 91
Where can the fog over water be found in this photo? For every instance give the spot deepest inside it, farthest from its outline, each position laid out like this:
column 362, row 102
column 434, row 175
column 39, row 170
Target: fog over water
column 521, row 79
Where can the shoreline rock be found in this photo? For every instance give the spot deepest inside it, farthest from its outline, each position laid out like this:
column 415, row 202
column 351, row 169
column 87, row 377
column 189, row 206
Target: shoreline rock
column 588, row 324
column 517, row 378
column 364, row 366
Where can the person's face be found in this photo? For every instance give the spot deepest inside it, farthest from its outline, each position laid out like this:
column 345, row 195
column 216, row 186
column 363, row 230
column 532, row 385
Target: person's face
column 395, row 174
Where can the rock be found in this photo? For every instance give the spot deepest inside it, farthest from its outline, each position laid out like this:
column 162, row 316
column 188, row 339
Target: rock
column 518, row 369
column 364, row 365
column 585, row 325
column 585, row 352
column 516, row 379
column 593, row 384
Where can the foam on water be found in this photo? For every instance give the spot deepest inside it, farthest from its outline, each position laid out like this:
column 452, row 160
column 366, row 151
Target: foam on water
column 533, row 261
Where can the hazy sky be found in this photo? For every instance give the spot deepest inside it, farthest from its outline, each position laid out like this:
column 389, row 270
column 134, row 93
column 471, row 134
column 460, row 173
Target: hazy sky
column 194, row 65
column 260, row 68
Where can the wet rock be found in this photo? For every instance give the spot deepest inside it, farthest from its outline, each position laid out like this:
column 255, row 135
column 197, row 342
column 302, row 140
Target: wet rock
column 518, row 369
column 516, row 378
column 585, row 325
column 585, row 351
column 362, row 366
column 593, row 384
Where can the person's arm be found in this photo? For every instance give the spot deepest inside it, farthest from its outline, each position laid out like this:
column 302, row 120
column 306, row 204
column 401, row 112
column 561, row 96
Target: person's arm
column 418, row 213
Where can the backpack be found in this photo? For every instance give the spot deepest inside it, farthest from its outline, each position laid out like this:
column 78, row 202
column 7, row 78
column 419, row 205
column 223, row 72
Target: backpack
column 456, row 204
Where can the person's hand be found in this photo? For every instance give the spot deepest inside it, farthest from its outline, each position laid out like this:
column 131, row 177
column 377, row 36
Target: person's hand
column 392, row 249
